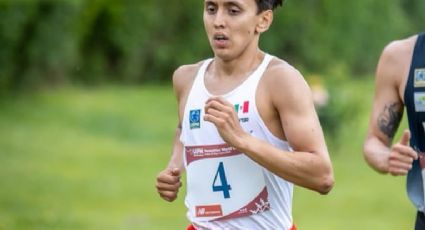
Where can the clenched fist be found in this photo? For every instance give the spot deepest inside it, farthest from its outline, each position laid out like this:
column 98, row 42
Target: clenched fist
column 168, row 183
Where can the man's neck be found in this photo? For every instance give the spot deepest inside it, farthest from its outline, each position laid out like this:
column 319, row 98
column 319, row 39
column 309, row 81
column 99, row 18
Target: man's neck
column 225, row 75
column 238, row 67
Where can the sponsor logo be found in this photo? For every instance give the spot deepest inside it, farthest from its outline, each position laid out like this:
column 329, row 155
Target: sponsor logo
column 198, row 151
column 419, row 80
column 195, row 119
column 419, row 102
column 194, row 153
column 208, row 210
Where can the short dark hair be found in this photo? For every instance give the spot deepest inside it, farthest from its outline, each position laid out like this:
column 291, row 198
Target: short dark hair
column 268, row 4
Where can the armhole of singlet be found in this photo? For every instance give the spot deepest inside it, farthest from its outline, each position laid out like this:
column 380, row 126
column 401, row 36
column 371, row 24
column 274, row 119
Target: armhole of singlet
column 260, row 120
column 411, row 73
column 199, row 74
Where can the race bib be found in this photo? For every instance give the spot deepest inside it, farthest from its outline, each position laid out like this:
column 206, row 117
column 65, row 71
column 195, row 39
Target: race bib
column 223, row 183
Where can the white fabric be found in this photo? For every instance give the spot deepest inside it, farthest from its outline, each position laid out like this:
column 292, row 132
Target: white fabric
column 207, row 158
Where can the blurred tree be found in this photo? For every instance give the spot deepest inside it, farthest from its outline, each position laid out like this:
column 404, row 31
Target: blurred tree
column 320, row 34
column 49, row 42
column 414, row 10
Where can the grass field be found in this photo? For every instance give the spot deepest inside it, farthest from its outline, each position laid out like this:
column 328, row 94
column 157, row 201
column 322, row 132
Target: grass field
column 87, row 159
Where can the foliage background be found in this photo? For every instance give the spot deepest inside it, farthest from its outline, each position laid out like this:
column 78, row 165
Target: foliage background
column 87, row 111
column 75, row 41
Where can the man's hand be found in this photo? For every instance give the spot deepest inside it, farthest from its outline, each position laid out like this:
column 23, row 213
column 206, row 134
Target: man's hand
column 223, row 115
column 401, row 156
column 168, row 183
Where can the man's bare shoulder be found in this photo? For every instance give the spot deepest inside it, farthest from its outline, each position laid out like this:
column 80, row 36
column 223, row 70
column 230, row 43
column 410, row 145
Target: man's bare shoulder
column 184, row 75
column 398, row 51
column 285, row 85
column 282, row 74
column 186, row 72
column 394, row 62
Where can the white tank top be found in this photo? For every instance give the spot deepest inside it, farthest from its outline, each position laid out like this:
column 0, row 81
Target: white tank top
column 225, row 188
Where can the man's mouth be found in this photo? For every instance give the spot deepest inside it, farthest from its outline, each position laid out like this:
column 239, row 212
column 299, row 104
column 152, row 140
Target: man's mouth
column 220, row 37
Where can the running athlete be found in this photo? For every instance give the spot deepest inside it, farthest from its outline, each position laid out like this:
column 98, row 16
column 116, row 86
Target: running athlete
column 400, row 82
column 248, row 129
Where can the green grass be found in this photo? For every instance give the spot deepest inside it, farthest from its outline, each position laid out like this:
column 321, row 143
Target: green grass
column 87, row 159
column 361, row 198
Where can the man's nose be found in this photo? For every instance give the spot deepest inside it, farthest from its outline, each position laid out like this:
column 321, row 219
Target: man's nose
column 220, row 19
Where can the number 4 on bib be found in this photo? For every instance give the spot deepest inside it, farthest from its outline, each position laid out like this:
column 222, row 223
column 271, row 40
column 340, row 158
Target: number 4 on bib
column 223, row 186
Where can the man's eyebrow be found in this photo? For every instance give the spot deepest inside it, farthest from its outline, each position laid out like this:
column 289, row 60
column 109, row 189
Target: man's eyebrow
column 232, row 3
column 226, row 3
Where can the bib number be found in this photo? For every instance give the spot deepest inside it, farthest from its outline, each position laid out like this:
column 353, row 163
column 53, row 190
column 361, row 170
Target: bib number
column 223, row 186
column 223, row 183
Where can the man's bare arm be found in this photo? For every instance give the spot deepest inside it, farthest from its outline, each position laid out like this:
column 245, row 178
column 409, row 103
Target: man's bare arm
column 387, row 112
column 168, row 180
column 309, row 166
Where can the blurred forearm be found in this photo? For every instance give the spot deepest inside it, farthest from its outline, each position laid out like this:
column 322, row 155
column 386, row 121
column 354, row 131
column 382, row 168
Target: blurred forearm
column 176, row 160
column 376, row 154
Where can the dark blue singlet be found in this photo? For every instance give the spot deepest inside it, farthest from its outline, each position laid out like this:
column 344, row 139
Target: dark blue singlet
column 414, row 100
column 414, row 95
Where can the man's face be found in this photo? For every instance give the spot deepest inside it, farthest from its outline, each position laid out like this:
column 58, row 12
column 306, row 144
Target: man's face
column 230, row 26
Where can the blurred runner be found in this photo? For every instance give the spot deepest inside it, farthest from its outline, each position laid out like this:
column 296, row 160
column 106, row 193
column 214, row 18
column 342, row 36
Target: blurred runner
column 400, row 83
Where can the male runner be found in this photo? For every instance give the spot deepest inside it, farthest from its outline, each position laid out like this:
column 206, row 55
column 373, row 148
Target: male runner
column 400, row 82
column 248, row 129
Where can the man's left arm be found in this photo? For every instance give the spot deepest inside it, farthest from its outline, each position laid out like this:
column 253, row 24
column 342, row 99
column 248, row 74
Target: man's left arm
column 309, row 165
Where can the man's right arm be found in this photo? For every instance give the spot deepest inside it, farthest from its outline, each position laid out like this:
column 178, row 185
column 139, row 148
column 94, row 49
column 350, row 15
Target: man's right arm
column 386, row 115
column 168, row 181
column 182, row 83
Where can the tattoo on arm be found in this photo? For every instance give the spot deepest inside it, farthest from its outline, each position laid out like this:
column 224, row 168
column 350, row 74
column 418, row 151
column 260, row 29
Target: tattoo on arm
column 389, row 119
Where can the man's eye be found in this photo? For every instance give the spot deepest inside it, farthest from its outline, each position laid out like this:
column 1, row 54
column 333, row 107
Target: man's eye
column 210, row 9
column 233, row 11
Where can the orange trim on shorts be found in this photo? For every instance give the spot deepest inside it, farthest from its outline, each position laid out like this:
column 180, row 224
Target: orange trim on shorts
column 293, row 227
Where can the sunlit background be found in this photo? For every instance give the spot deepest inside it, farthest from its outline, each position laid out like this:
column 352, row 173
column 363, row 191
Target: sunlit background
column 87, row 111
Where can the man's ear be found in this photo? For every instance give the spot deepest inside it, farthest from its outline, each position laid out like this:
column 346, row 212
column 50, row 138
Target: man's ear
column 265, row 19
